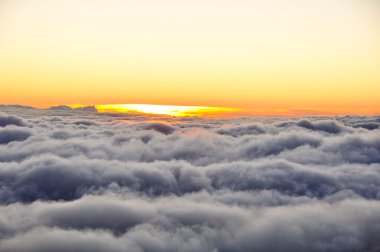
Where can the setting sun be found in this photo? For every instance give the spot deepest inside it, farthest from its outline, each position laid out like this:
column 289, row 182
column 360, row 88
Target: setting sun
column 165, row 109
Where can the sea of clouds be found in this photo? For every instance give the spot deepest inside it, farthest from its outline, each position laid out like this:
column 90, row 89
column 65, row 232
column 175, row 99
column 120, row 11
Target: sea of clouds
column 78, row 180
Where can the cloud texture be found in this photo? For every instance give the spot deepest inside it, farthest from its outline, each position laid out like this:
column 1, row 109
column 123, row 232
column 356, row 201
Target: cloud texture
column 79, row 180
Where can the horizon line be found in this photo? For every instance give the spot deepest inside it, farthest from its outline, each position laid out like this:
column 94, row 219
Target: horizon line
column 207, row 111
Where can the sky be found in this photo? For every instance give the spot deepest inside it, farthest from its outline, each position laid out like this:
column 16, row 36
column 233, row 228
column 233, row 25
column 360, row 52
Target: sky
column 269, row 56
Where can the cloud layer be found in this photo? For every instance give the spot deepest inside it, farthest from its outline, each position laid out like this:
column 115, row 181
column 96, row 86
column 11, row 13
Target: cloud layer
column 73, row 179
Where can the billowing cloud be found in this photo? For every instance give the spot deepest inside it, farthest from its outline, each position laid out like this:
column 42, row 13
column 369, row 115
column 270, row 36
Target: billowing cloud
column 106, row 182
column 159, row 127
column 10, row 120
column 13, row 134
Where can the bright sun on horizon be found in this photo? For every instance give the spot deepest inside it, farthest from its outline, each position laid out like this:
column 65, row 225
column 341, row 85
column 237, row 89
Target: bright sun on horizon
column 170, row 110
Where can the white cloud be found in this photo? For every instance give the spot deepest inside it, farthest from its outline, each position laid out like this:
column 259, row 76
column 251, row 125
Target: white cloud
column 104, row 182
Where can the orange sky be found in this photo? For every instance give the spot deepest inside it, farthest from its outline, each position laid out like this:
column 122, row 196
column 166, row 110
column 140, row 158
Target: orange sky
column 274, row 56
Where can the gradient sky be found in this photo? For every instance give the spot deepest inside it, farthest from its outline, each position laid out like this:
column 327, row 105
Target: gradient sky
column 267, row 55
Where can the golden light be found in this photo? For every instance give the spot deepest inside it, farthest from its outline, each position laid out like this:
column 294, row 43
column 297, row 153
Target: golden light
column 170, row 110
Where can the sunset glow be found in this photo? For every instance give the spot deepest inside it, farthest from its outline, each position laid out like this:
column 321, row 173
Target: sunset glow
column 273, row 57
column 165, row 109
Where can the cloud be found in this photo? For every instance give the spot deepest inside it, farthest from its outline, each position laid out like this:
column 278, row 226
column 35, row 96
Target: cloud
column 367, row 125
column 11, row 120
column 357, row 148
column 242, row 130
column 326, row 126
column 171, row 224
column 105, row 182
column 13, row 134
column 159, row 127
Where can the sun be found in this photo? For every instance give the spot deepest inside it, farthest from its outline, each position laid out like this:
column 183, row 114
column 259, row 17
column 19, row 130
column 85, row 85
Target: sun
column 170, row 110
